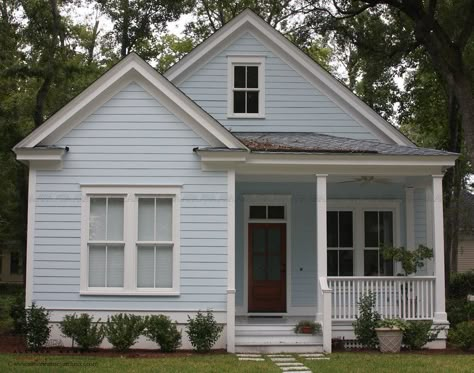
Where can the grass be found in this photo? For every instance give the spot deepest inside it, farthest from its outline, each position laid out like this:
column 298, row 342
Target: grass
column 339, row 362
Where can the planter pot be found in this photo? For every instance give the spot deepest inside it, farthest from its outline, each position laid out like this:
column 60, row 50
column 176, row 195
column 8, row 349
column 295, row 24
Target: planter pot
column 306, row 330
column 390, row 339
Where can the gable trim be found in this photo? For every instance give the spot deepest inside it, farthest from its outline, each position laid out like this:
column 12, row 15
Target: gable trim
column 131, row 69
column 297, row 59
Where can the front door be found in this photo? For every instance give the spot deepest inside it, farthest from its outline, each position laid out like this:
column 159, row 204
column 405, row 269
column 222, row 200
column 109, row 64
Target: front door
column 267, row 267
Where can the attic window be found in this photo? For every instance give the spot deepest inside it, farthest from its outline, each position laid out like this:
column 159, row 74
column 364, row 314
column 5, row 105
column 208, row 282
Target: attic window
column 246, row 87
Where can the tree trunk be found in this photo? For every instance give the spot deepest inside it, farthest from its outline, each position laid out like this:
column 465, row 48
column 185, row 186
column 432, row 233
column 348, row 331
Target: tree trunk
column 125, row 42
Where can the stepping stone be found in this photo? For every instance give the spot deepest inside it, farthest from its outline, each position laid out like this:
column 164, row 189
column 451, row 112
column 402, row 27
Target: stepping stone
column 317, row 358
column 249, row 355
column 294, row 369
column 251, row 359
column 295, row 364
column 283, row 359
column 298, row 371
column 279, row 355
column 312, row 355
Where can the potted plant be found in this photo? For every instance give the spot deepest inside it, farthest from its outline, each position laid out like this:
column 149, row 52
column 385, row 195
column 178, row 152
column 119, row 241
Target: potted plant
column 390, row 334
column 307, row 327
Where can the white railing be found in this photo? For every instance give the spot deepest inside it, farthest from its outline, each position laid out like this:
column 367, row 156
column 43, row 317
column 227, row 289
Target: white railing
column 326, row 322
column 408, row 298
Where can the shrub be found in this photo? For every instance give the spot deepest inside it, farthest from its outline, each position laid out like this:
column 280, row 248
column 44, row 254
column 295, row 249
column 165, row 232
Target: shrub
column 37, row 329
column 18, row 315
column 83, row 330
column 462, row 335
column 366, row 322
column 123, row 330
column 203, row 331
column 161, row 330
column 461, row 285
column 459, row 310
column 418, row 333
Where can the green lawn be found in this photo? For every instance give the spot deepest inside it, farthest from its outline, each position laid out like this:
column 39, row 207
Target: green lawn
column 340, row 362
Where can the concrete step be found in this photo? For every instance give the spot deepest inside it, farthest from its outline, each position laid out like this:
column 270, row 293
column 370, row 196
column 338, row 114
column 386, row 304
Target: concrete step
column 277, row 339
column 279, row 348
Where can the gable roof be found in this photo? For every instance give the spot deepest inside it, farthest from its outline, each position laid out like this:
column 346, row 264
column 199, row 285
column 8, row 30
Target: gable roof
column 248, row 21
column 130, row 69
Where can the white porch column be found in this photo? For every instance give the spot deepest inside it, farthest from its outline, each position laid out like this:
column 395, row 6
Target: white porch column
column 410, row 217
column 438, row 248
column 321, row 239
column 231, row 261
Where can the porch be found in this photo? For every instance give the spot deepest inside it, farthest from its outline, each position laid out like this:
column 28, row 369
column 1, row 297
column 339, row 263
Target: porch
column 322, row 272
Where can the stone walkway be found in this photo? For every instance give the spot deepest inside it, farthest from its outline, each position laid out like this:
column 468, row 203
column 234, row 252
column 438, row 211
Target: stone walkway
column 286, row 362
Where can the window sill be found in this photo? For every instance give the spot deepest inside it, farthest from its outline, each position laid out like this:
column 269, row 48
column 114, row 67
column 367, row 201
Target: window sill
column 136, row 293
column 246, row 116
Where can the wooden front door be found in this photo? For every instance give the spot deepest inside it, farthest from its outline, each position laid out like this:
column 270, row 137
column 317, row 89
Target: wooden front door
column 267, row 267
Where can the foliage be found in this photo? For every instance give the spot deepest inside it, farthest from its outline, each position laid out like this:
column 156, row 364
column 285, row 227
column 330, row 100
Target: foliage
column 123, row 330
column 17, row 313
column 37, row 329
column 366, row 322
column 392, row 324
column 461, row 285
column 462, row 335
column 459, row 310
column 418, row 333
column 314, row 327
column 410, row 260
column 203, row 331
column 83, row 331
column 161, row 330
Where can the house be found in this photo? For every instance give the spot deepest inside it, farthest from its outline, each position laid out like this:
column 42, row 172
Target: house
column 465, row 260
column 246, row 180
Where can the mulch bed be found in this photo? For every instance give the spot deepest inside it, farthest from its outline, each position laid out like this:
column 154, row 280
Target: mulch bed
column 16, row 344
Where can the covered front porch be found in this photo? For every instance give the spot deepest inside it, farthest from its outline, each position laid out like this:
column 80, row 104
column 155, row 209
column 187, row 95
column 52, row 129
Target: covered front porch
column 308, row 247
column 307, row 216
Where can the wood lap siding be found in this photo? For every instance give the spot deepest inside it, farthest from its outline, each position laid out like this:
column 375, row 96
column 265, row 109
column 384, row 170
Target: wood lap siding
column 132, row 139
column 292, row 104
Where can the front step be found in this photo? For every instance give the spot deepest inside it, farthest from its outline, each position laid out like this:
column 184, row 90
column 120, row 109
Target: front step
column 274, row 338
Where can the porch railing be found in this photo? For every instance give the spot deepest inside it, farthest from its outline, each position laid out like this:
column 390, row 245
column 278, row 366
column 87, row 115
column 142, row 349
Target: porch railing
column 409, row 298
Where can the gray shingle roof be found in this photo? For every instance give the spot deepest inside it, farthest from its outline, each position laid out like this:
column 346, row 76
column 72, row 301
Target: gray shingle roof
column 311, row 142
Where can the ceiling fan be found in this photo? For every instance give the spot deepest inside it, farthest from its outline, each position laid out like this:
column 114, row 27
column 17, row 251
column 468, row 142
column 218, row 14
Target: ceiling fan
column 367, row 180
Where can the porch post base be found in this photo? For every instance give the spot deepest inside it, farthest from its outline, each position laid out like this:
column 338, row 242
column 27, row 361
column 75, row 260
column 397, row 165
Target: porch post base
column 440, row 318
column 230, row 329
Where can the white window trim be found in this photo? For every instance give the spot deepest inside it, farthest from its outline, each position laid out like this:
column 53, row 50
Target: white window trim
column 249, row 61
column 131, row 194
column 358, row 207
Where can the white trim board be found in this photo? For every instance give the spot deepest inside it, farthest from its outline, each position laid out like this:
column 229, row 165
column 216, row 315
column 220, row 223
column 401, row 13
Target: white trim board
column 267, row 200
column 297, row 59
column 131, row 69
column 30, row 237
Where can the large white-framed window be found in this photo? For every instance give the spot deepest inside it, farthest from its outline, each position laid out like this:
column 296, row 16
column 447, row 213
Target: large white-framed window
column 130, row 240
column 246, row 87
column 374, row 223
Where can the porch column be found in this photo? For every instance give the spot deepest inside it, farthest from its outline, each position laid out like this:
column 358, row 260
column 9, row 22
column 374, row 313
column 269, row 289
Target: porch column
column 321, row 239
column 438, row 248
column 231, row 261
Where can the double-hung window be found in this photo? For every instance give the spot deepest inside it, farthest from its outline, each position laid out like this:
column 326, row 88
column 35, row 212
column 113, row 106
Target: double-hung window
column 130, row 240
column 246, row 87
column 340, row 243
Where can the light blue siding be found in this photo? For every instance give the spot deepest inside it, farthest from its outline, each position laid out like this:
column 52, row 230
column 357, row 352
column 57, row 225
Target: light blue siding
column 132, row 139
column 291, row 102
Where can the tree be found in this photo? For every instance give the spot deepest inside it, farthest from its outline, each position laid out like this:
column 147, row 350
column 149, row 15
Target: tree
column 136, row 21
column 443, row 28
